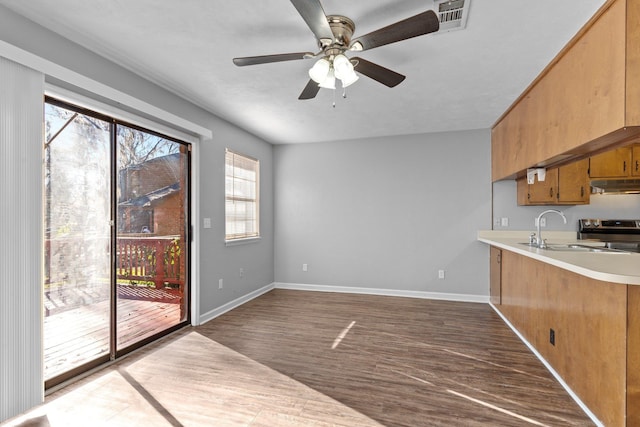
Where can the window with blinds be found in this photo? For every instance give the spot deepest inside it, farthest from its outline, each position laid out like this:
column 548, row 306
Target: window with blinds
column 241, row 196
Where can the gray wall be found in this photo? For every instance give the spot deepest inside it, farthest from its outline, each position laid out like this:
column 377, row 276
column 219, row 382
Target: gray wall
column 522, row 217
column 218, row 261
column 385, row 213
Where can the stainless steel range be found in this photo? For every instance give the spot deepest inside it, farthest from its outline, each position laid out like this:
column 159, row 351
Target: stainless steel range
column 621, row 234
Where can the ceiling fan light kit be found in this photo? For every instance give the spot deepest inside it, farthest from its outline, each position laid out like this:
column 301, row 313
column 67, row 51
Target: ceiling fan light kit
column 326, row 70
column 333, row 34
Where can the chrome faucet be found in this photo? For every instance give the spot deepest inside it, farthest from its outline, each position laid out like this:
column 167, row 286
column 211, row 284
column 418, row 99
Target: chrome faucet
column 540, row 242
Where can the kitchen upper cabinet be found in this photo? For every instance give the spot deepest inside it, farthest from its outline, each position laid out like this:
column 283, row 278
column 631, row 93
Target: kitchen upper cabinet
column 566, row 185
column 619, row 163
column 495, row 275
column 586, row 99
column 573, row 183
column 611, row 164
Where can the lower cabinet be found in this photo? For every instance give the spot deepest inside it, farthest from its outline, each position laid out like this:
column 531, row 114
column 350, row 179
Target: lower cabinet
column 579, row 326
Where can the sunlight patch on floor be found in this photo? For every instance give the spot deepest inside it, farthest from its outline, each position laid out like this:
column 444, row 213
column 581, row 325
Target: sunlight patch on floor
column 342, row 334
column 499, row 409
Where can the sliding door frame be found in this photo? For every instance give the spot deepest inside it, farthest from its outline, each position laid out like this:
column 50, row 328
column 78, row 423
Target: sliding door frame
column 114, row 352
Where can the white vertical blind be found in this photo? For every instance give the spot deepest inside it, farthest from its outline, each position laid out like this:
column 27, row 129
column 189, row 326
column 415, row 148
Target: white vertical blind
column 241, row 196
column 21, row 117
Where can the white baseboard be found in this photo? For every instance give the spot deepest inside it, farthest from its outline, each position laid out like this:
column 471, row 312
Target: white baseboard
column 384, row 292
column 550, row 369
column 234, row 304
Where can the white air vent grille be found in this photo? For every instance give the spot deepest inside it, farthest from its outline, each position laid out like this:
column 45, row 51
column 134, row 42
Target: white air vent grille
column 452, row 13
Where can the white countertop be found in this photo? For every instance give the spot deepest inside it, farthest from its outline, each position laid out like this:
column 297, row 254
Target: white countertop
column 608, row 267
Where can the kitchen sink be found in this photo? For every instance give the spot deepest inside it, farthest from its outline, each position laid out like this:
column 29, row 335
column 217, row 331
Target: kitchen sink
column 575, row 247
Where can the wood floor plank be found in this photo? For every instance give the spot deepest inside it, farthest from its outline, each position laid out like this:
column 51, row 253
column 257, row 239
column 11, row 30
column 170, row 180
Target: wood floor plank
column 293, row 358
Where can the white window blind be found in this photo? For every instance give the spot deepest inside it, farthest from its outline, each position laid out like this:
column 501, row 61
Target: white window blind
column 21, row 247
column 241, row 194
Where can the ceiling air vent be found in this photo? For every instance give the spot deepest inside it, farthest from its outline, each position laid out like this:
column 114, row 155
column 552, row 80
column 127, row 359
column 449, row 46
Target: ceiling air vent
column 453, row 14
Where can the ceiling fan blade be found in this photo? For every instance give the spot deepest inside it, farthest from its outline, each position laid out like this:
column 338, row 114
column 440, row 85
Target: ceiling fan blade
column 313, row 14
column 378, row 73
column 265, row 59
column 310, row 90
column 418, row 25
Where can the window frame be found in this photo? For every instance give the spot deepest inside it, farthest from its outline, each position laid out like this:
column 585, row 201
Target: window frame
column 239, row 238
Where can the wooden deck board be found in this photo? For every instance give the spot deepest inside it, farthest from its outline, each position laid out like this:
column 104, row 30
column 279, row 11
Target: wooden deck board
column 89, row 327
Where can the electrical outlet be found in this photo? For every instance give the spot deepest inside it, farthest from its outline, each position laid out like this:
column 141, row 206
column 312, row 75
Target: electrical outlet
column 220, row 284
column 305, row 267
column 496, row 222
column 543, row 222
column 504, row 222
column 552, row 337
column 241, row 272
column 440, row 274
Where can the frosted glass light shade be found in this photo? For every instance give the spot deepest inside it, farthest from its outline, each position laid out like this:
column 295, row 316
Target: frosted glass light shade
column 320, row 70
column 349, row 79
column 342, row 66
column 330, row 81
column 344, row 70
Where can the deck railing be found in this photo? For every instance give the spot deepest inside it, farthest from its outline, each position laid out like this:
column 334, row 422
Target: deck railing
column 77, row 270
column 150, row 259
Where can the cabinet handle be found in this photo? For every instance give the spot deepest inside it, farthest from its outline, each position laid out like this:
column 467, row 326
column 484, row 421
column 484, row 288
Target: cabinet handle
column 624, row 166
column 582, row 191
column 499, row 258
column 637, row 165
column 551, row 192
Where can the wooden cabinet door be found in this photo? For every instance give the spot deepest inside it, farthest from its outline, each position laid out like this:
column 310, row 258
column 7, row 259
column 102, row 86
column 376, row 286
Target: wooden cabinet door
column 495, row 276
column 573, row 183
column 611, row 164
column 540, row 192
column 544, row 192
column 635, row 162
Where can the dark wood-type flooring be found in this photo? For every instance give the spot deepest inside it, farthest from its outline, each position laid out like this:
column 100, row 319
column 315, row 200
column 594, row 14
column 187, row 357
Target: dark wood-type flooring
column 294, row 358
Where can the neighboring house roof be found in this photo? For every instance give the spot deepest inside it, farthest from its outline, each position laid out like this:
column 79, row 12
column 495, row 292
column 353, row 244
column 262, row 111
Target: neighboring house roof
column 146, row 199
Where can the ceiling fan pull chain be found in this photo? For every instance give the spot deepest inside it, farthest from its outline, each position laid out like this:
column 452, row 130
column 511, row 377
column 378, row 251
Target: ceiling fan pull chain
column 344, row 92
column 334, row 98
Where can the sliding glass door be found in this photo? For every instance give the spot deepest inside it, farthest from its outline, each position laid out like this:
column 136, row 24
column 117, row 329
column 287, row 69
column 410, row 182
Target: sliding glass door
column 77, row 251
column 116, row 238
column 151, row 237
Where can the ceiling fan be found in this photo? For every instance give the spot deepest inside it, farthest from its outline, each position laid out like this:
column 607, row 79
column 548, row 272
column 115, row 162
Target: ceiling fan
column 333, row 33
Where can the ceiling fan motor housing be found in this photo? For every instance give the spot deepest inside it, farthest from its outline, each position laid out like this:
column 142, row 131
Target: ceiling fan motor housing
column 342, row 29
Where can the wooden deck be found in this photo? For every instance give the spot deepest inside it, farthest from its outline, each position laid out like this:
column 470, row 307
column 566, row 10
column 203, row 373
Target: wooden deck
column 88, row 327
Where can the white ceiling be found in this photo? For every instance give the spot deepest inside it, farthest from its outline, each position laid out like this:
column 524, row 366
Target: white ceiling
column 455, row 81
